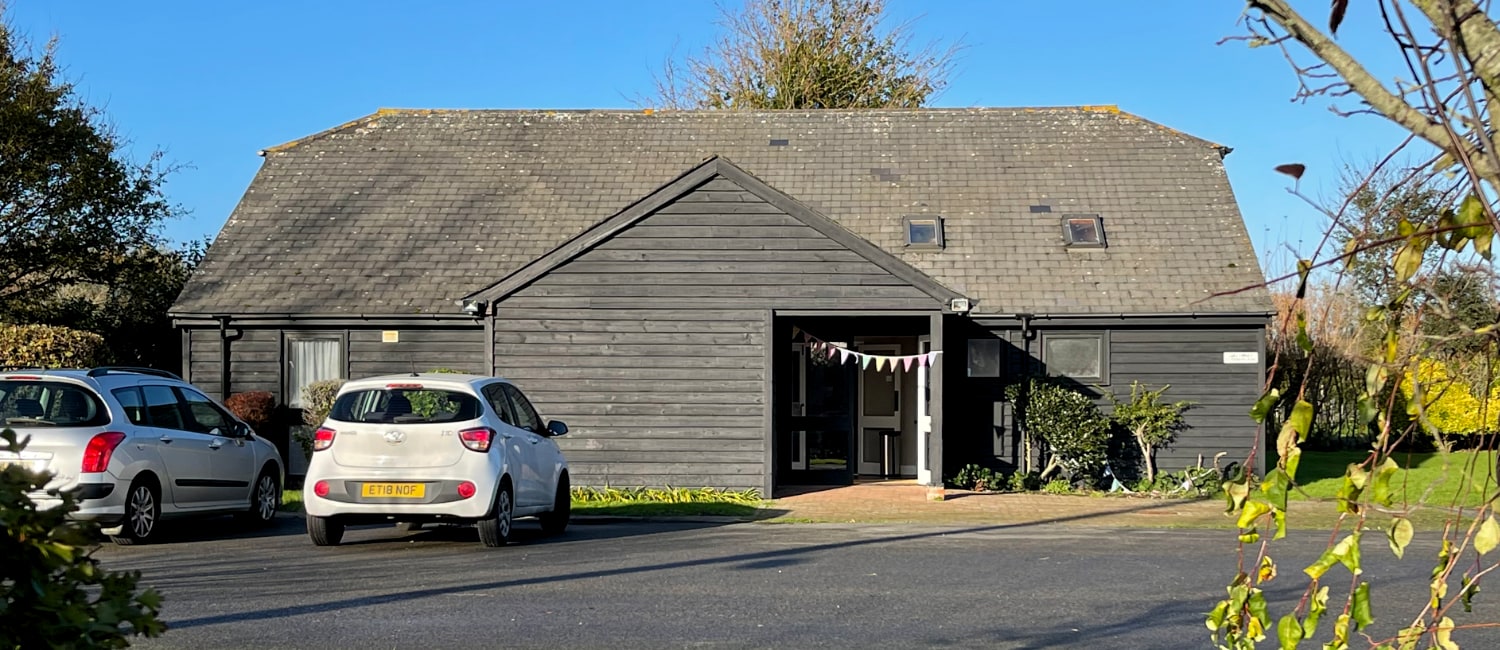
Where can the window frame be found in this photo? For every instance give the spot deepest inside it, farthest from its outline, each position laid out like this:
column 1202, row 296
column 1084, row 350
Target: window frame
column 1067, row 232
column 183, row 394
column 938, row 242
column 1102, row 337
column 517, row 401
column 290, row 394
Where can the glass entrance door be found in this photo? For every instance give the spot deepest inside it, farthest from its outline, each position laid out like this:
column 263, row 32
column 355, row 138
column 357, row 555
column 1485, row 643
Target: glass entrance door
column 879, row 409
column 820, row 437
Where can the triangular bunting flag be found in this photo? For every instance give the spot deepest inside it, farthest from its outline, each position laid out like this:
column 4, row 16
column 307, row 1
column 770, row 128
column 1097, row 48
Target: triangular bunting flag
column 879, row 363
column 807, row 338
column 796, row 331
column 844, row 354
column 931, row 358
column 906, row 361
column 834, row 349
column 864, row 360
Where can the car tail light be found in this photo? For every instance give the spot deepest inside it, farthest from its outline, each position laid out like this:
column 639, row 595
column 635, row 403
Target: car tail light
column 100, row 448
column 403, row 386
column 466, row 490
column 323, row 438
column 321, row 488
column 477, row 439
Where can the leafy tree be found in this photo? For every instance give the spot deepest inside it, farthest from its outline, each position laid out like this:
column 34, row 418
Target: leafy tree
column 128, row 308
column 1376, row 205
column 1152, row 423
column 53, row 593
column 71, row 206
column 1444, row 97
column 816, row 54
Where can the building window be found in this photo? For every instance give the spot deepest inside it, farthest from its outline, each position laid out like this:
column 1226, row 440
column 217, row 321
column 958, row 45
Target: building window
column 984, row 357
column 1083, row 231
column 312, row 357
column 924, row 232
column 1076, row 356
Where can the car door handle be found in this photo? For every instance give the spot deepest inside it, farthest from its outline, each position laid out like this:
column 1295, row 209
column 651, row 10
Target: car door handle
column 533, row 440
column 216, row 444
column 166, row 439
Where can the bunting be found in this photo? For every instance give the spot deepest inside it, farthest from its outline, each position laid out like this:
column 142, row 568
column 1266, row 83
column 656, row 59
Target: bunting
column 903, row 363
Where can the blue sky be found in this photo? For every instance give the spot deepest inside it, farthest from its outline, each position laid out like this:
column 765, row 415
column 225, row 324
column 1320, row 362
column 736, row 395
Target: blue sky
column 211, row 83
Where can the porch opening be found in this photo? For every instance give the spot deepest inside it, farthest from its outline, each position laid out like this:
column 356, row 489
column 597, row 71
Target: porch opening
column 851, row 398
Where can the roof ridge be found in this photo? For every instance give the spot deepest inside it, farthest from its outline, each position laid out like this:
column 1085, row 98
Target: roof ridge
column 1106, row 109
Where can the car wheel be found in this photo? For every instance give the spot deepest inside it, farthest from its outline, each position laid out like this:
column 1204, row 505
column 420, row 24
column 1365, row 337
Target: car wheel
column 495, row 530
column 142, row 514
column 265, row 498
column 325, row 531
column 556, row 521
column 408, row 526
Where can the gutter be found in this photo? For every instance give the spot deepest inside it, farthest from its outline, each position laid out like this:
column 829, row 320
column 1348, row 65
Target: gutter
column 1025, row 317
column 224, row 340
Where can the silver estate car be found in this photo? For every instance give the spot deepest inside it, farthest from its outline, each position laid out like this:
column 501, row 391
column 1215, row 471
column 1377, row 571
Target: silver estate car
column 435, row 448
column 138, row 445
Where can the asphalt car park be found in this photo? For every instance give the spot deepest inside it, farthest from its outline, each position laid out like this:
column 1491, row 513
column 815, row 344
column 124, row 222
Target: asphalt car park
column 687, row 584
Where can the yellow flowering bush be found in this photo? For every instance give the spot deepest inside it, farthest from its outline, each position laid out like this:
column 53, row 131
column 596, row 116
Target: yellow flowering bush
column 1451, row 403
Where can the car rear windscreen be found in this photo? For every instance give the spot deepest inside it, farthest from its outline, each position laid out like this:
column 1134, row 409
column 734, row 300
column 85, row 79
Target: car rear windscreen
column 405, row 406
column 36, row 403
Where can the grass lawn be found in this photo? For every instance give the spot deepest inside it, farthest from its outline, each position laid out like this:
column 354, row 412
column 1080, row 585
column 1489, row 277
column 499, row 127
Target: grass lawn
column 1433, row 480
column 291, row 500
column 1461, row 477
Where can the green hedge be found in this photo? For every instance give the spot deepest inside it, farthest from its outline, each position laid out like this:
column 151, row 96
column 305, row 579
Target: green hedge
column 50, row 346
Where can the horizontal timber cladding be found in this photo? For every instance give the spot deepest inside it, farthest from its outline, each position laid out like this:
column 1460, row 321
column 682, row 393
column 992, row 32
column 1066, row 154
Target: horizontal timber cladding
column 257, row 359
column 421, row 350
column 652, row 344
column 1192, row 362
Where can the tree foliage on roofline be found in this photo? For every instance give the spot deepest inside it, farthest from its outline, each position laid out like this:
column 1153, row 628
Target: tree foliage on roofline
column 807, row 54
column 72, row 206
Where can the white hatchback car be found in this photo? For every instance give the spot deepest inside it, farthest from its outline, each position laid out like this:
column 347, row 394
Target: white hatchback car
column 433, row 448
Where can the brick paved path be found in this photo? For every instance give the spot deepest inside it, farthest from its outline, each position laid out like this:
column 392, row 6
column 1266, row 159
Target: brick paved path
column 905, row 501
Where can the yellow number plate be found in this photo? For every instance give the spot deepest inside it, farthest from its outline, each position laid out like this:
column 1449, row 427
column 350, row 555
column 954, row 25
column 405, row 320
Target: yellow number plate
column 393, row 490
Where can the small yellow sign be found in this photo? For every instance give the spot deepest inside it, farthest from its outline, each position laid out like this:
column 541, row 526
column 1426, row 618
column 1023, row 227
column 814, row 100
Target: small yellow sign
column 390, row 336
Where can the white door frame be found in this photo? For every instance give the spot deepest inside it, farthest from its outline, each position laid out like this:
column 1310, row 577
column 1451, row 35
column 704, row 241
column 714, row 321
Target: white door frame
column 924, row 418
column 863, row 421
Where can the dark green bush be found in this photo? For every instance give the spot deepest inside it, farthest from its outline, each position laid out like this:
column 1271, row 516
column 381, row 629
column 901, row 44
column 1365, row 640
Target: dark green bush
column 1068, row 423
column 980, row 479
column 53, row 593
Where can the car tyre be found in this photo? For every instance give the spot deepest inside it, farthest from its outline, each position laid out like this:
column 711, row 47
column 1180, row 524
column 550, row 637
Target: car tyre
column 408, row 526
column 265, row 499
column 142, row 514
column 325, row 531
column 494, row 530
column 555, row 521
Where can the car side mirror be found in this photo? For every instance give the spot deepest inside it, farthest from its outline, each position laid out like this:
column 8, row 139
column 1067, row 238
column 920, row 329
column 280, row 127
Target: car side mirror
column 557, row 427
column 240, row 430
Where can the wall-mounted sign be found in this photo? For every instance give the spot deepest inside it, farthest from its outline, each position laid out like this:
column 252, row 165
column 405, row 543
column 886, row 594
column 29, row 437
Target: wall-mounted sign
column 393, row 336
column 1241, row 357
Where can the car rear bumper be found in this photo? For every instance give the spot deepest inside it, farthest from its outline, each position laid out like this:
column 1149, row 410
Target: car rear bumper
column 440, row 498
column 98, row 502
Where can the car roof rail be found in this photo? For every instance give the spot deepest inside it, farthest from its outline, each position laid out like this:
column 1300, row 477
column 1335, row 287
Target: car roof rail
column 15, row 368
column 104, row 370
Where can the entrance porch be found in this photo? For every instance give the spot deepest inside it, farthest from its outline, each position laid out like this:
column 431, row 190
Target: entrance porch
column 853, row 398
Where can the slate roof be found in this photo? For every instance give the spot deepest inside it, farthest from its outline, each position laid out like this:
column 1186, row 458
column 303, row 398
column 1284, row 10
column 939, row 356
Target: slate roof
column 405, row 211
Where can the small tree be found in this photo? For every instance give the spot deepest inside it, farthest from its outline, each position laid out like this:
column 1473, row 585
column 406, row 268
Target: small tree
column 1075, row 434
column 53, row 593
column 1151, row 423
column 779, row 54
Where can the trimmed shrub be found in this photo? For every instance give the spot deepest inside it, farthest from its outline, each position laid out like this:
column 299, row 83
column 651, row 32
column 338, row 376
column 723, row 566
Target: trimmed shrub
column 317, row 400
column 254, row 407
column 979, row 479
column 51, row 346
column 1075, row 433
column 53, row 593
